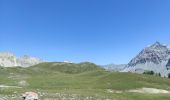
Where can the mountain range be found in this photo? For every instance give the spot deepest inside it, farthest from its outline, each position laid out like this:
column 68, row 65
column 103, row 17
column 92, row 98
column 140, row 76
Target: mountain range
column 8, row 59
column 155, row 57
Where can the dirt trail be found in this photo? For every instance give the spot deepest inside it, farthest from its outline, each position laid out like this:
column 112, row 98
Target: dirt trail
column 149, row 90
column 141, row 90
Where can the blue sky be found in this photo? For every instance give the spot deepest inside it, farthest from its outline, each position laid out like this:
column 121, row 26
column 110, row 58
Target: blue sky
column 100, row 31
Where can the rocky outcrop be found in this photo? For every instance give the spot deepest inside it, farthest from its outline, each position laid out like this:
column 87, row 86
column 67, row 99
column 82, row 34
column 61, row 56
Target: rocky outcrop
column 30, row 96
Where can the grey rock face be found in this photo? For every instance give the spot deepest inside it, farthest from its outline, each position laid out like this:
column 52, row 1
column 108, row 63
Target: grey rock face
column 8, row 59
column 168, row 65
column 154, row 57
column 155, row 53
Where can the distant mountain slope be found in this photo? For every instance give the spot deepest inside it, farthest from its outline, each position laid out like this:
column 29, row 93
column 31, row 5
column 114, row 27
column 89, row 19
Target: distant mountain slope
column 114, row 67
column 154, row 57
column 8, row 59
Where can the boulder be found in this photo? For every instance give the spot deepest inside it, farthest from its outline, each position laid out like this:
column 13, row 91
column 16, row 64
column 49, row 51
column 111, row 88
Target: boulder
column 30, row 96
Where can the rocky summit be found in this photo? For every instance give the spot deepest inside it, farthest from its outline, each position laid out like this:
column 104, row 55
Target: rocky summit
column 152, row 58
column 8, row 59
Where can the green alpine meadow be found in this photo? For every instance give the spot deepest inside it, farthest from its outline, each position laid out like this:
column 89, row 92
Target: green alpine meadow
column 83, row 81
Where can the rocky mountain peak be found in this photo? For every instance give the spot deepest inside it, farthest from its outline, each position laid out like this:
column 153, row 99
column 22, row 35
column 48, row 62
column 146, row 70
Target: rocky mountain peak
column 158, row 46
column 155, row 57
column 155, row 53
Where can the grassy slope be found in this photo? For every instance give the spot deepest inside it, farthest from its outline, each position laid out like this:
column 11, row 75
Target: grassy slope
column 84, row 79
